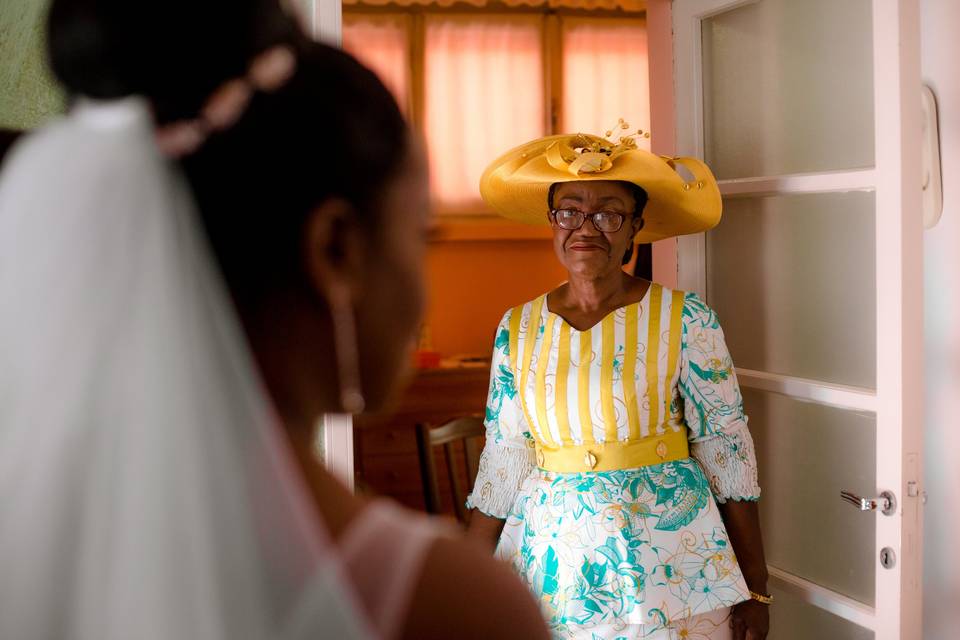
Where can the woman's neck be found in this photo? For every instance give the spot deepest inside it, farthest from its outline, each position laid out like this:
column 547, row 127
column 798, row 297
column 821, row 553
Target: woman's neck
column 337, row 504
column 596, row 294
column 302, row 386
column 295, row 363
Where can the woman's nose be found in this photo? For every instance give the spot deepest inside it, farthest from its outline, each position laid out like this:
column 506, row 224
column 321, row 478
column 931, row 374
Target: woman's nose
column 588, row 228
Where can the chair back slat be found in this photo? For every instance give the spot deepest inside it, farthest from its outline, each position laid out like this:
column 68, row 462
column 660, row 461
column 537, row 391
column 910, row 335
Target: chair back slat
column 459, row 495
column 466, row 431
column 428, row 470
column 457, row 429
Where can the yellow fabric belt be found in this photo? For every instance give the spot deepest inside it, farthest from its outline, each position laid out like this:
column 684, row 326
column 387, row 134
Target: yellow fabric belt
column 613, row 456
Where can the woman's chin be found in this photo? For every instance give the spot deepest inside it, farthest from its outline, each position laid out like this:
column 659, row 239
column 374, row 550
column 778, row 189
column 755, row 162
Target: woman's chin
column 590, row 264
column 386, row 400
column 385, row 404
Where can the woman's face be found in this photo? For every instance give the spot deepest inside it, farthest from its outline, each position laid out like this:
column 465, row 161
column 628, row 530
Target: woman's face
column 390, row 307
column 588, row 252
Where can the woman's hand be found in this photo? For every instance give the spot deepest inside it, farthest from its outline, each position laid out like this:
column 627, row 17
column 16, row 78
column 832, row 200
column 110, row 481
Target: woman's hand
column 750, row 620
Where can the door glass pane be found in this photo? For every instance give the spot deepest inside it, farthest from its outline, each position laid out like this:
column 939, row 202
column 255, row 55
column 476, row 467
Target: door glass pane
column 794, row 619
column 807, row 453
column 787, row 91
column 792, row 279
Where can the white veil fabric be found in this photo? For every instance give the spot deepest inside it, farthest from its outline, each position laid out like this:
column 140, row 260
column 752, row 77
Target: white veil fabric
column 146, row 490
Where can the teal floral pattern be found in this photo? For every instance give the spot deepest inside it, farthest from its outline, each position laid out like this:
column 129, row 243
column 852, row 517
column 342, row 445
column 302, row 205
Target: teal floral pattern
column 630, row 553
column 618, row 547
column 713, row 406
column 503, row 388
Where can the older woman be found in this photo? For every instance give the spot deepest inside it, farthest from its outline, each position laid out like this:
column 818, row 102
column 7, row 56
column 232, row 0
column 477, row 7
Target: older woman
column 619, row 475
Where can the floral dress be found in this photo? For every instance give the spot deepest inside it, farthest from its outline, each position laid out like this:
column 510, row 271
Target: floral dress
column 621, row 553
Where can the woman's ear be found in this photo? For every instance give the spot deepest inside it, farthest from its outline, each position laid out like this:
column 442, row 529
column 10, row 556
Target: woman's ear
column 638, row 223
column 334, row 248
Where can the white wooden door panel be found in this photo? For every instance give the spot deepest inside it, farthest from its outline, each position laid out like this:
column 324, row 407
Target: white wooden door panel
column 797, row 106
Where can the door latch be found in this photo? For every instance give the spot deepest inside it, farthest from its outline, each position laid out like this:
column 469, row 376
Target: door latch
column 886, row 503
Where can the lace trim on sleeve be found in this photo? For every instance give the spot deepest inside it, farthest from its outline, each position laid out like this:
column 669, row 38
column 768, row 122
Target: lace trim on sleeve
column 730, row 462
column 502, row 470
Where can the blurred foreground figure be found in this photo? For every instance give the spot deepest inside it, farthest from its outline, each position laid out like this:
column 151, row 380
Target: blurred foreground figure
column 191, row 272
column 7, row 138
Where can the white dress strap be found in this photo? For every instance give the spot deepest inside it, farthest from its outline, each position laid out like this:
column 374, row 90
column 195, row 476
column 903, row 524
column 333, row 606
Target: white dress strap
column 383, row 550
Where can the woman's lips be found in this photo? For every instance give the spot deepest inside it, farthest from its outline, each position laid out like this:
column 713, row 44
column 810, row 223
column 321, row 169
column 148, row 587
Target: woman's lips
column 580, row 246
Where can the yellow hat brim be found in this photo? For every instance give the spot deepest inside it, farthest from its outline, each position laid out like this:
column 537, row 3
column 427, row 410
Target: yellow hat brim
column 517, row 183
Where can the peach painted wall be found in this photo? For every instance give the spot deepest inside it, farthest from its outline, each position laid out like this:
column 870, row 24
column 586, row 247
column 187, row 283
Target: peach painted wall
column 472, row 283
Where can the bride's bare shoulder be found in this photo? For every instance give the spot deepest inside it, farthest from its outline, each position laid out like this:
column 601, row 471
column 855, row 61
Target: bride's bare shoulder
column 466, row 593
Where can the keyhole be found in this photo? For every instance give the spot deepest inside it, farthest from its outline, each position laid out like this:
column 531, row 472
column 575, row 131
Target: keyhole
column 888, row 558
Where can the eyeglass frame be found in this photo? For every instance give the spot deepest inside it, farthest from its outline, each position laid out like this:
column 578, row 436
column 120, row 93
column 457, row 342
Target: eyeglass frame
column 592, row 216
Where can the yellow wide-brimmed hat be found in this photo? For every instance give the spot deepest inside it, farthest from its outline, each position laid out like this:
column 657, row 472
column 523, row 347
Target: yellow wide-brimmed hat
column 516, row 184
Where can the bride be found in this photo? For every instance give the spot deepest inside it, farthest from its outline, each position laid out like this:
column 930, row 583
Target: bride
column 221, row 241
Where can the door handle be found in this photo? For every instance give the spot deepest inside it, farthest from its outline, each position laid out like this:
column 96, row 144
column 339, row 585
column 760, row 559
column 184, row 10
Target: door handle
column 886, row 503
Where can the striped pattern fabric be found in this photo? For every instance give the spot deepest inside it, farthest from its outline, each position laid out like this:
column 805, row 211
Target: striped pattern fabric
column 616, row 381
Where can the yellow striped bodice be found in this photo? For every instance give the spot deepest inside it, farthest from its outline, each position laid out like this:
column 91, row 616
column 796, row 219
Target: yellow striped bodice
column 614, row 382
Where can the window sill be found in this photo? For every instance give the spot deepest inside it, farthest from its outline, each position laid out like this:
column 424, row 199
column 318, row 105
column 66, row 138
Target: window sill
column 484, row 227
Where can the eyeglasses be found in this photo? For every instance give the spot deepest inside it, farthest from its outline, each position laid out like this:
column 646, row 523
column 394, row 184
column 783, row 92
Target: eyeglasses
column 573, row 219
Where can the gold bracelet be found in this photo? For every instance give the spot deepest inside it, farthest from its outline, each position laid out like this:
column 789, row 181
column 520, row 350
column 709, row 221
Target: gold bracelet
column 762, row 599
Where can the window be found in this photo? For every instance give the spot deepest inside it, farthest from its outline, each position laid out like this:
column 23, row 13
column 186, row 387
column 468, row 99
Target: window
column 478, row 82
column 382, row 42
column 483, row 93
column 605, row 76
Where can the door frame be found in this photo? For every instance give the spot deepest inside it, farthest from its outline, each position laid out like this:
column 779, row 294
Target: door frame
column 323, row 20
column 896, row 180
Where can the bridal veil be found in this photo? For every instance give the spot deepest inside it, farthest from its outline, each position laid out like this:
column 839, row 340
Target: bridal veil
column 146, row 490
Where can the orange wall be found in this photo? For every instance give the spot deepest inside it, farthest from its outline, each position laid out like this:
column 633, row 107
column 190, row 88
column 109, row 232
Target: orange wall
column 472, row 283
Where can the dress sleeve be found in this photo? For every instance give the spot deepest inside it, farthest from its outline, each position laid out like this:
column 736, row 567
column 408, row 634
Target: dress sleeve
column 508, row 456
column 713, row 407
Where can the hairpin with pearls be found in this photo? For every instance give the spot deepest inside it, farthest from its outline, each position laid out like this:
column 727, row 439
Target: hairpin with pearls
column 268, row 72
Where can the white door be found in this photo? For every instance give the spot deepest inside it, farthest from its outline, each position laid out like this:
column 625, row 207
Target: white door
column 808, row 111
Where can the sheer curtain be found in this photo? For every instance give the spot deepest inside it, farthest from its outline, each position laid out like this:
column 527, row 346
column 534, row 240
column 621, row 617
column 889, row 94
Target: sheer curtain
column 589, row 5
column 382, row 42
column 605, row 76
column 484, row 78
column 484, row 93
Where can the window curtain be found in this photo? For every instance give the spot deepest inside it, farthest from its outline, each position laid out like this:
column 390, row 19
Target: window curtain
column 626, row 5
column 605, row 76
column 484, row 93
column 382, row 43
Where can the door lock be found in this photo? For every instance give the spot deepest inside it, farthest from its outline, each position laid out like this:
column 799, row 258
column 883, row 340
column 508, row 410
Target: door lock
column 888, row 558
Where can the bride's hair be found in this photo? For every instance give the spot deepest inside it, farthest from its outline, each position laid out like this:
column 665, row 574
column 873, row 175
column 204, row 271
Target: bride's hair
column 175, row 52
column 7, row 138
column 333, row 130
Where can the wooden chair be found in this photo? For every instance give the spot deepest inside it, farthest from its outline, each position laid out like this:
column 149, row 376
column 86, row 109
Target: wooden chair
column 469, row 430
